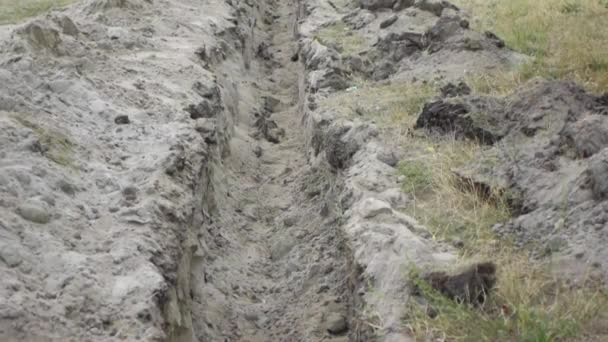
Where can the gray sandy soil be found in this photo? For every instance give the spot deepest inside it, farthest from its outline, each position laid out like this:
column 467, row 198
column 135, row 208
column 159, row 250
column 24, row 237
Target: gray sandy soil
column 167, row 172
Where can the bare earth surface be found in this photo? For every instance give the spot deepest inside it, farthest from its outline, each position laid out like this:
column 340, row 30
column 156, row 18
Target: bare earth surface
column 167, row 172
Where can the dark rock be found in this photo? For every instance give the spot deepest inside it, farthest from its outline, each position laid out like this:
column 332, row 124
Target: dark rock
column 258, row 151
column 295, row 57
column 383, row 71
column 388, row 22
column 333, row 78
column 129, row 193
column 336, row 324
column 402, row 4
column 338, row 151
column 445, row 117
column 263, row 52
column 495, row 39
column 205, row 109
column 373, row 5
column 122, row 120
column 269, row 129
column 207, row 92
column 396, row 46
column 454, row 90
column 472, row 44
column 472, row 285
column 66, row 187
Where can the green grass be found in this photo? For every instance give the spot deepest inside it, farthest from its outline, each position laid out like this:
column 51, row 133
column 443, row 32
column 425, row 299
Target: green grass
column 14, row 11
column 566, row 38
column 417, row 176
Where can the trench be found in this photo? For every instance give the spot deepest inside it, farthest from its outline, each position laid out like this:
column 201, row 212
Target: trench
column 274, row 265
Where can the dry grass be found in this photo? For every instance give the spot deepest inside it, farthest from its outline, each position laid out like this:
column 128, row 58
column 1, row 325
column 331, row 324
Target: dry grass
column 567, row 38
column 14, row 11
column 529, row 304
column 339, row 36
column 389, row 105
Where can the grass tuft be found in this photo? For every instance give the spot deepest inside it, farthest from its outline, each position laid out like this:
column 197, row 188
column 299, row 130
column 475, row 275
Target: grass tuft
column 14, row 11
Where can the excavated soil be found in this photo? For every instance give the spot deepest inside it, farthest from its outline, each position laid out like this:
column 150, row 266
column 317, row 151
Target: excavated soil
column 168, row 171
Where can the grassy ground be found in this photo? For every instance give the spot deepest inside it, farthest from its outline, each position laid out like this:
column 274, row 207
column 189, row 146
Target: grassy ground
column 530, row 303
column 567, row 38
column 14, row 11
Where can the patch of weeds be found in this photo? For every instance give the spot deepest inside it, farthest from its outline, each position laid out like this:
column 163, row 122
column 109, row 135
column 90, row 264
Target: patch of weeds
column 445, row 207
column 390, row 105
column 417, row 176
column 12, row 11
column 341, row 37
column 53, row 145
column 571, row 7
column 528, row 304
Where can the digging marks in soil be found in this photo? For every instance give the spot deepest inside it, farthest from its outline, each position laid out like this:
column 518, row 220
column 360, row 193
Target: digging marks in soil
column 277, row 270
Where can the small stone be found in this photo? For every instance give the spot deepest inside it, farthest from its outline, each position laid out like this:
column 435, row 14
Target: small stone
column 122, row 120
column 66, row 187
column 372, row 207
column 289, row 221
column 458, row 243
column 10, row 255
column 388, row 158
column 258, row 151
column 388, row 22
column 34, row 212
column 336, row 324
column 472, row 44
column 130, row 193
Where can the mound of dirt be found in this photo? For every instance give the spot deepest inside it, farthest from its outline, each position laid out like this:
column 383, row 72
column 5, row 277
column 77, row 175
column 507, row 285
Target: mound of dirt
column 548, row 158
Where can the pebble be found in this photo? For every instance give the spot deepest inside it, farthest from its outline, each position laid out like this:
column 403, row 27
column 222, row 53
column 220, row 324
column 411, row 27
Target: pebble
column 34, row 212
column 336, row 324
column 388, row 22
column 122, row 120
column 10, row 255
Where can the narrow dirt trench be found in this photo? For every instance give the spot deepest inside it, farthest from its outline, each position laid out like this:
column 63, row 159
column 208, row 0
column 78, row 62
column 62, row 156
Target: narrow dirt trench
column 280, row 271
